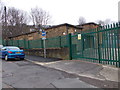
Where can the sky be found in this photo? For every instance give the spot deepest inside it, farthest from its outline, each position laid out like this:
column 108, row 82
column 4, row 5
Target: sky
column 69, row 11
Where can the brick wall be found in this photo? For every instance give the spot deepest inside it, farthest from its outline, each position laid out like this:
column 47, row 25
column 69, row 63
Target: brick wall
column 60, row 31
column 61, row 53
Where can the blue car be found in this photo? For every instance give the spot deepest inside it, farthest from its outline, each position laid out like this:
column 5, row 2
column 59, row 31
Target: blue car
column 11, row 52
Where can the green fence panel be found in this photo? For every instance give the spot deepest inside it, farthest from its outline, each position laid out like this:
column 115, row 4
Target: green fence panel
column 21, row 43
column 26, row 44
column 10, row 42
column 16, row 43
column 4, row 42
column 35, row 44
column 53, row 42
column 64, row 42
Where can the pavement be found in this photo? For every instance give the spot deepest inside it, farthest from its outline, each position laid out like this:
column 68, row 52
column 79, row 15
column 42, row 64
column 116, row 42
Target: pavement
column 80, row 68
column 4, row 85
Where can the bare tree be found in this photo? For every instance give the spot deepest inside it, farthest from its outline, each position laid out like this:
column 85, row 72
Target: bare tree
column 104, row 22
column 1, row 21
column 15, row 19
column 100, row 22
column 81, row 20
column 39, row 16
column 107, row 21
column 1, row 11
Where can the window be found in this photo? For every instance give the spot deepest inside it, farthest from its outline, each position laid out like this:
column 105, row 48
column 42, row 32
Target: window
column 31, row 29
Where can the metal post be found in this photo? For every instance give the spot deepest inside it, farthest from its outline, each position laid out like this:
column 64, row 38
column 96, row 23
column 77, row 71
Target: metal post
column 44, row 48
column 99, row 51
column 5, row 17
column 118, row 42
column 44, row 37
column 70, row 46
column 5, row 24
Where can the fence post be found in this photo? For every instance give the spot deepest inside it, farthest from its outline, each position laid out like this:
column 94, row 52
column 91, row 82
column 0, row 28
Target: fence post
column 6, row 42
column 12, row 42
column 24, row 43
column 70, row 46
column 18, row 43
column 99, row 51
column 82, row 43
column 60, row 41
column 118, row 41
column 41, row 43
column 28, row 44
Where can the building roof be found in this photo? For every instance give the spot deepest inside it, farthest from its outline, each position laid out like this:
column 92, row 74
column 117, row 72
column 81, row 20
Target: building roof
column 64, row 24
column 49, row 27
column 90, row 23
column 23, row 34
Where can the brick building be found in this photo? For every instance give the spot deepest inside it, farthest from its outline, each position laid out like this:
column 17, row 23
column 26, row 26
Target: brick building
column 53, row 31
column 88, row 26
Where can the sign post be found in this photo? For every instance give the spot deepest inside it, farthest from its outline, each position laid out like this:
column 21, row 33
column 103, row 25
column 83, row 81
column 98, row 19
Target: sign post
column 44, row 38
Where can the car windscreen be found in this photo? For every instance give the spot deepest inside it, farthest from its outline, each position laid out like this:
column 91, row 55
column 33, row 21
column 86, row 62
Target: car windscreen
column 13, row 48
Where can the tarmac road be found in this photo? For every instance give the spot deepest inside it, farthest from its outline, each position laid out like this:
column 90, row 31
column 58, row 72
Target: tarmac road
column 24, row 74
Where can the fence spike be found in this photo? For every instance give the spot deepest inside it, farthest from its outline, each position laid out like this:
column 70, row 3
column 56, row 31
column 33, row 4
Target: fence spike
column 114, row 25
column 117, row 24
column 111, row 25
column 106, row 27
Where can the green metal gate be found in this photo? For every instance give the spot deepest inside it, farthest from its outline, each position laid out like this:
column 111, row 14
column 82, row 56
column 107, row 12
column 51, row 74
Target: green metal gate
column 101, row 45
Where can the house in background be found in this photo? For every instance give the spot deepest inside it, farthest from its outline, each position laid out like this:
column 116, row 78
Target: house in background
column 88, row 26
column 62, row 29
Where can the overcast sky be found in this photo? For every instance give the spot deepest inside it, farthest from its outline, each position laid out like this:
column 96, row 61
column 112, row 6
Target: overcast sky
column 69, row 11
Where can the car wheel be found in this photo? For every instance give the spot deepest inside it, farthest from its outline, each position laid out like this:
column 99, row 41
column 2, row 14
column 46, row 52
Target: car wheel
column 6, row 57
column 21, row 58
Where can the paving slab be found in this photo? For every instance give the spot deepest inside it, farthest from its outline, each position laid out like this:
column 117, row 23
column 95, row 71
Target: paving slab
column 71, row 83
column 83, row 68
column 7, row 86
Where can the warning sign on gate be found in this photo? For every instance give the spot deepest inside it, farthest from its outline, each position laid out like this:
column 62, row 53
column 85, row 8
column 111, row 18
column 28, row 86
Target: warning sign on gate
column 79, row 36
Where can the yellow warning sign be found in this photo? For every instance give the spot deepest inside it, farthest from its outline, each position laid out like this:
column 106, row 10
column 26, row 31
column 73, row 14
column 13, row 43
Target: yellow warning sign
column 79, row 36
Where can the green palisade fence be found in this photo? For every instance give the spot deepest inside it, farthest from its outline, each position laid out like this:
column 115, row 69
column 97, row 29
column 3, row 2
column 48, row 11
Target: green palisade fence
column 101, row 45
column 1, row 41
column 63, row 41
column 54, row 42
column 35, row 44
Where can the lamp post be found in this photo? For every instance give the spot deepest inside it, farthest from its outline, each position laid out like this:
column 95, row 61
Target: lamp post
column 5, row 15
column 5, row 24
